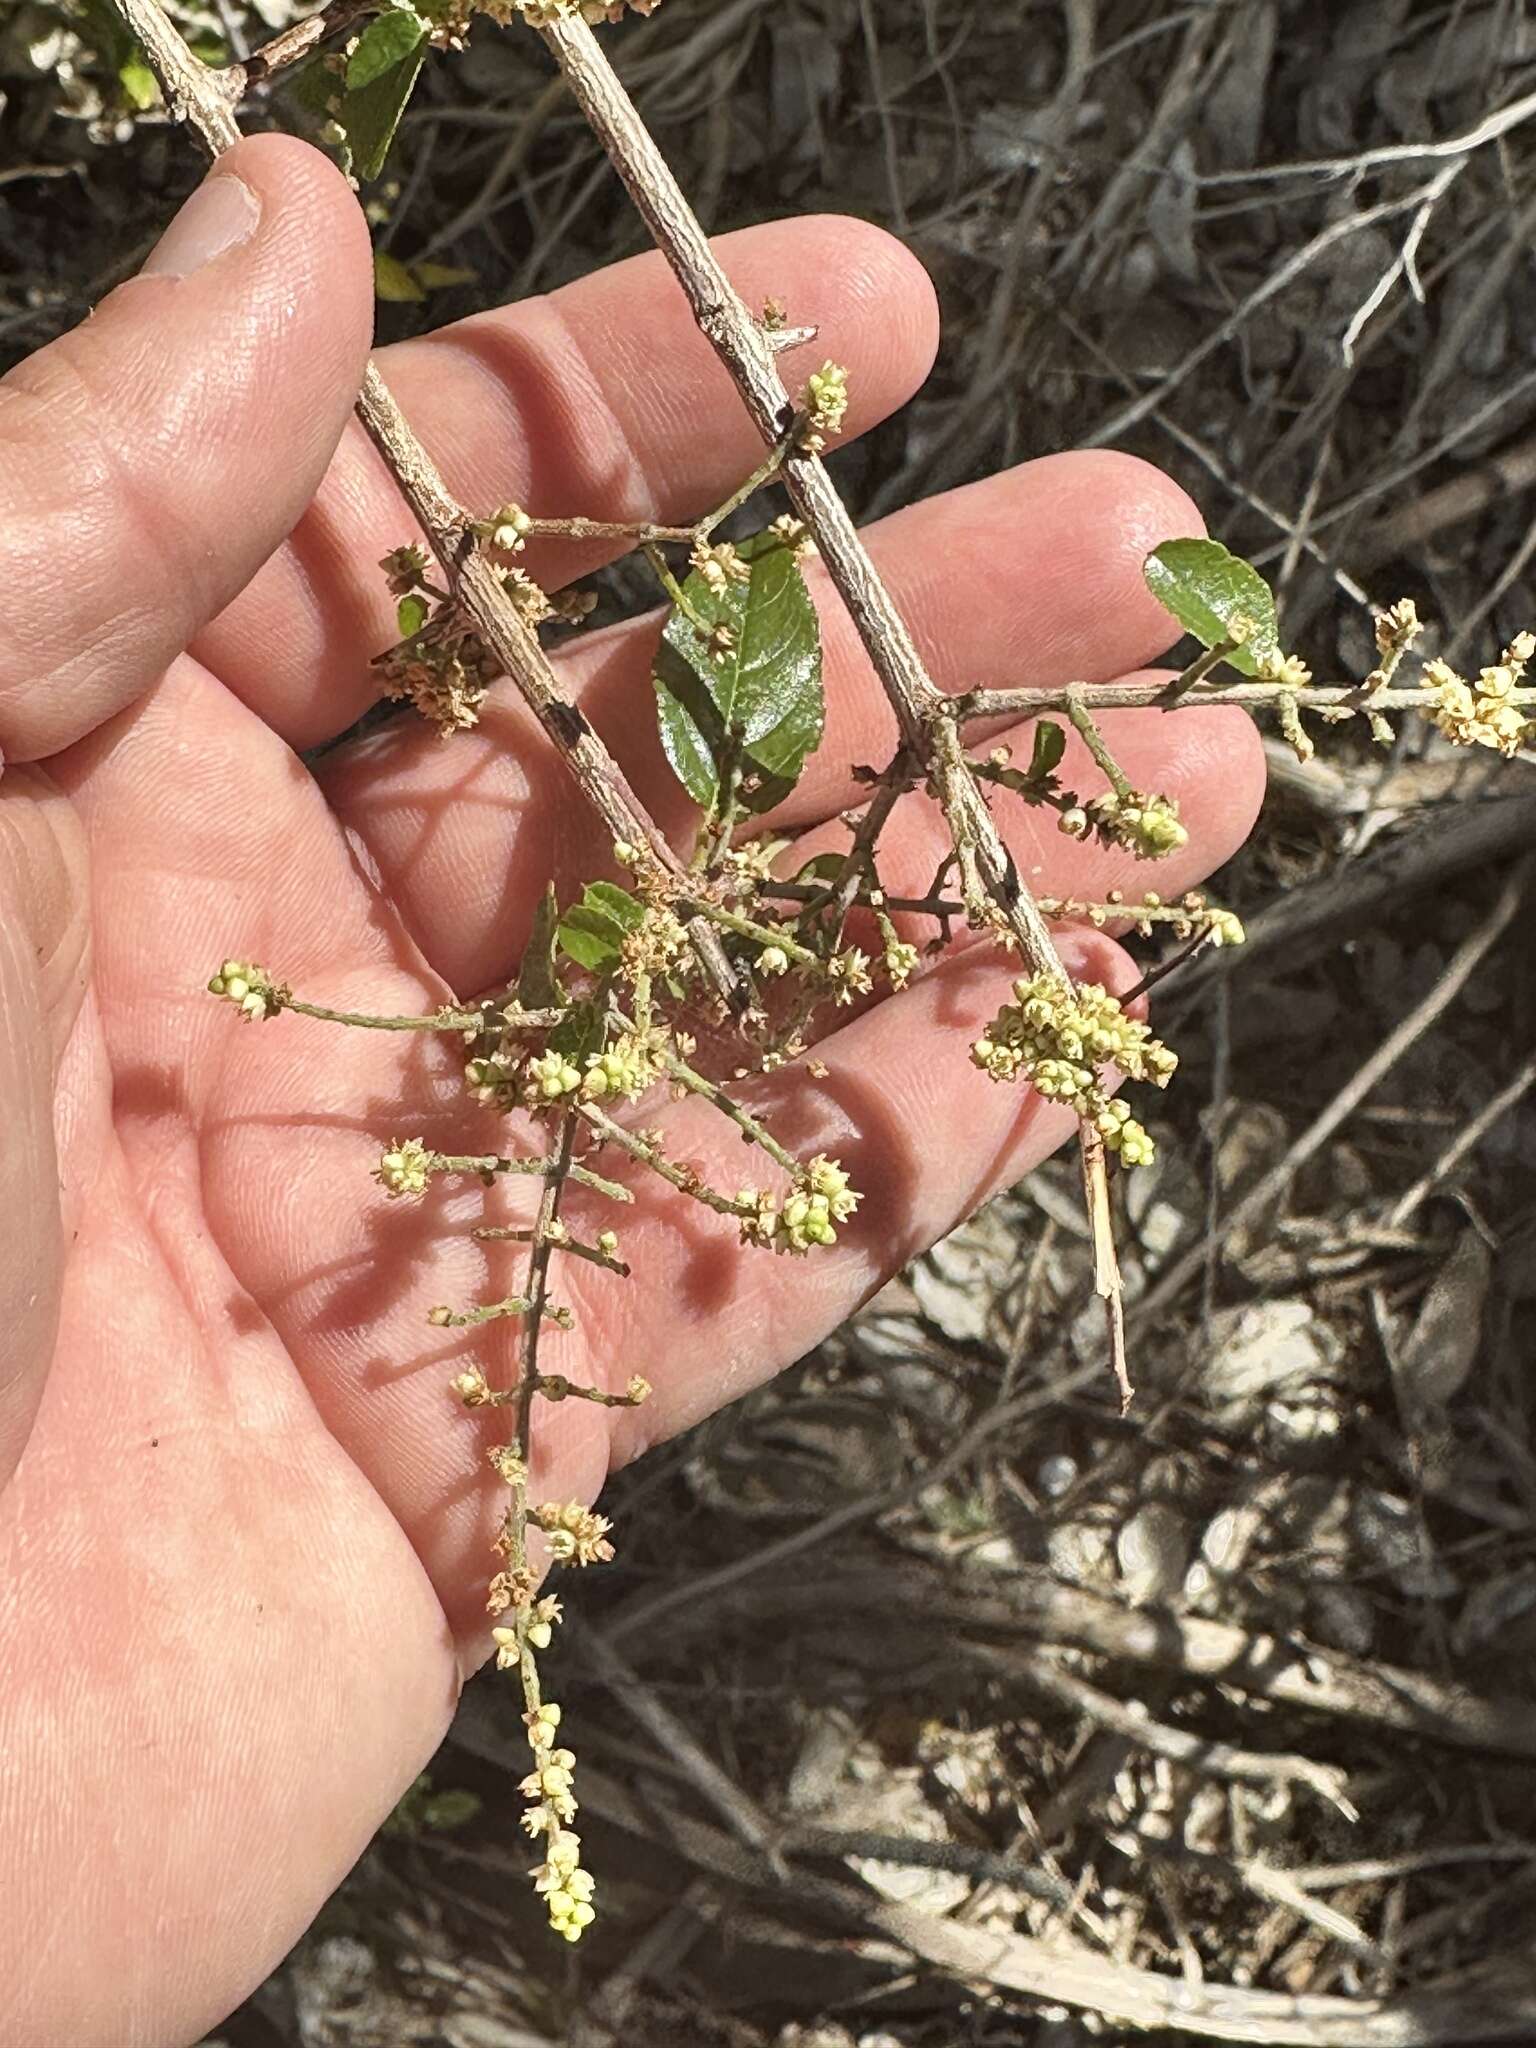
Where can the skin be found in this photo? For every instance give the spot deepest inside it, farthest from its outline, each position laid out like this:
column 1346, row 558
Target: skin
column 243, row 1538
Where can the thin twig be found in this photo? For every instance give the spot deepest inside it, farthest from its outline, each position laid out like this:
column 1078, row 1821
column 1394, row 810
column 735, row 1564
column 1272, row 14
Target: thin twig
column 1264, row 1197
column 1179, row 1745
column 1328, row 697
column 1466, row 1141
column 294, row 44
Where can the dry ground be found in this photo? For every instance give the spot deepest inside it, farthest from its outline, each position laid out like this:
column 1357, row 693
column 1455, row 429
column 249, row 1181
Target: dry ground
column 932, row 1703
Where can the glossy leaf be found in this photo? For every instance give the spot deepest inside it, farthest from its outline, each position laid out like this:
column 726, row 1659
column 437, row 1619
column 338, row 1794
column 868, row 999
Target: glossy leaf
column 1050, row 745
column 1205, row 586
column 381, row 75
column 592, row 932
column 738, row 725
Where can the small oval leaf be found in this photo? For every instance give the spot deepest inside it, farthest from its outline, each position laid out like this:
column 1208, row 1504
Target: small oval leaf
column 381, row 75
column 592, row 932
column 1050, row 745
column 138, row 82
column 1206, row 586
column 454, row 1808
column 738, row 722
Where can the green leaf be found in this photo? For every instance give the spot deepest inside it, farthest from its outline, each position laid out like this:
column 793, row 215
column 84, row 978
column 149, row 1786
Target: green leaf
column 392, row 282
column 1205, row 586
column 592, row 931
column 757, row 712
column 437, row 277
column 138, row 83
column 538, row 986
column 411, row 615
column 381, row 74
column 400, row 282
column 1050, row 745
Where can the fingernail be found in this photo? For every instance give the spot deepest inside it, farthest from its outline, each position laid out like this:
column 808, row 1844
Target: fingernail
column 221, row 214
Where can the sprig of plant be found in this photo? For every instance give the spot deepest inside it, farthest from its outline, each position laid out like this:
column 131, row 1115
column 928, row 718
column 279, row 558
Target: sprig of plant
column 595, row 1025
column 1224, row 603
column 617, row 981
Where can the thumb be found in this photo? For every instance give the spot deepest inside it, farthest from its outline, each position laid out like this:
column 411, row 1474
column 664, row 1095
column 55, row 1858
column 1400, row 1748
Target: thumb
column 153, row 458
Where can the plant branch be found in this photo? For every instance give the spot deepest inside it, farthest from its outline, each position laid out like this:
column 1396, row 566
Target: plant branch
column 446, row 1019
column 683, row 1178
column 922, row 710
column 486, row 1164
column 1342, row 699
column 294, row 44
column 205, row 100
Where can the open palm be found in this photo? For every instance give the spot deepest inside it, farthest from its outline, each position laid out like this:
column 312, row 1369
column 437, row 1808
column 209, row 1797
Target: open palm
column 245, row 1546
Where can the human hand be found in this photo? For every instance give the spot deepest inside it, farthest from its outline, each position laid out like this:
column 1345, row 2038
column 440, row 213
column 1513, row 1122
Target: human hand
column 244, row 1552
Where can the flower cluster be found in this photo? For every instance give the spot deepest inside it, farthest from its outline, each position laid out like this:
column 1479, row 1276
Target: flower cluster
column 550, row 1076
column 1288, row 670
column 251, row 989
column 1057, row 1037
column 793, row 534
column 825, row 405
column 1148, row 826
column 1397, row 628
column 405, row 568
column 821, row 1199
column 1483, row 713
column 549, row 1788
column 508, row 1463
column 576, row 1535
column 566, row 1888
column 441, row 665
column 848, row 975
column 446, row 679
column 405, row 1169
column 1189, row 917
column 492, row 1077
column 507, row 529
column 473, row 1388
column 719, row 564
column 624, row 1070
